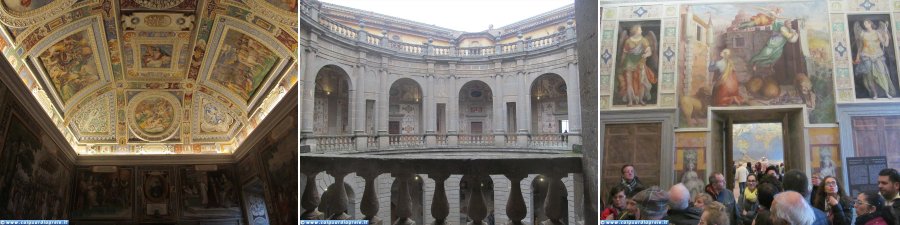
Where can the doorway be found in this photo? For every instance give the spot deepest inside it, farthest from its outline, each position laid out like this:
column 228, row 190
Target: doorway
column 741, row 135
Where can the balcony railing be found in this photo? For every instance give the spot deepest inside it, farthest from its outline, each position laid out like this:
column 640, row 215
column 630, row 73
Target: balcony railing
column 404, row 170
column 367, row 143
column 311, row 12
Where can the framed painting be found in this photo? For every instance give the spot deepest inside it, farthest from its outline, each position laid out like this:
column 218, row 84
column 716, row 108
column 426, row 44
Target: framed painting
column 155, row 188
column 874, row 58
column 33, row 182
column 637, row 63
column 103, row 192
column 209, row 191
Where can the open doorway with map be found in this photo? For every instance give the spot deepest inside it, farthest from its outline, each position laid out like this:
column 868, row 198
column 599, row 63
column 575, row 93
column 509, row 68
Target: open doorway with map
column 769, row 136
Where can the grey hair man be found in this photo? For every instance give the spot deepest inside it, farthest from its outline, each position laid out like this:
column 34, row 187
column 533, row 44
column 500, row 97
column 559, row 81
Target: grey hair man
column 680, row 212
column 790, row 207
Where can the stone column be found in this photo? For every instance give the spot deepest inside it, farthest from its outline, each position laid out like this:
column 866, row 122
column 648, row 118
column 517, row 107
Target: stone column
column 453, row 114
column 404, row 202
column 573, row 100
column 307, row 95
column 556, row 191
column 499, row 130
column 440, row 207
column 477, row 210
column 429, row 107
column 359, row 113
column 523, row 108
column 310, row 199
column 516, row 210
column 369, row 204
column 501, row 197
column 453, row 190
column 383, row 102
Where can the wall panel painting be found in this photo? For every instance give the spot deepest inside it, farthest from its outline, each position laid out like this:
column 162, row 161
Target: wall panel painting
column 103, row 193
column 690, row 160
column 280, row 162
column 760, row 54
column 209, row 191
column 33, row 182
column 826, row 155
column 637, row 63
column 874, row 58
column 155, row 191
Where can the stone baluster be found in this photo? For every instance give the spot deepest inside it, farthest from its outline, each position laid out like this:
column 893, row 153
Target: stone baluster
column 404, row 202
column 553, row 204
column 440, row 207
column 515, row 207
column 477, row 209
column 310, row 198
column 369, row 204
column 338, row 196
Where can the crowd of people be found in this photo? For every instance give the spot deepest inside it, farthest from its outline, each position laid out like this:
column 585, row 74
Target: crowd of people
column 768, row 197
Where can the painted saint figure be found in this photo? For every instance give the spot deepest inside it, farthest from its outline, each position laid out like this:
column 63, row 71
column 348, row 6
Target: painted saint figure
column 870, row 61
column 726, row 91
column 634, row 76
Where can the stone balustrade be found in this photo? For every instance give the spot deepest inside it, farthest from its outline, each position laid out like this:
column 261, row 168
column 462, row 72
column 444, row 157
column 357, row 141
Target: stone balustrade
column 366, row 143
column 310, row 14
column 441, row 174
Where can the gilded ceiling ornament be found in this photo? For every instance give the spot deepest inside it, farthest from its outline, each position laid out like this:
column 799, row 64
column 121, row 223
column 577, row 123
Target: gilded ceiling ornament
column 28, row 13
column 158, row 4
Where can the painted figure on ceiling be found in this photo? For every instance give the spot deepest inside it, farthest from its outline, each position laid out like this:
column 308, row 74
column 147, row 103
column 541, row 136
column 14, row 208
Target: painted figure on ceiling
column 870, row 60
column 634, row 76
column 726, row 90
column 781, row 35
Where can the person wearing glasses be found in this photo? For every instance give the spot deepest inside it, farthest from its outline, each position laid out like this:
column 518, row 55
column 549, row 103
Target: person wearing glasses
column 832, row 200
column 748, row 201
column 870, row 209
column 714, row 214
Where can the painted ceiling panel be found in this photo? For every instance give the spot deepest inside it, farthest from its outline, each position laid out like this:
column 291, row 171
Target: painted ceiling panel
column 153, row 77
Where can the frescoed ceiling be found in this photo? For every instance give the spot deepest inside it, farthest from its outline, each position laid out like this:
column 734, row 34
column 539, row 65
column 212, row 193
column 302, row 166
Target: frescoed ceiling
column 153, row 77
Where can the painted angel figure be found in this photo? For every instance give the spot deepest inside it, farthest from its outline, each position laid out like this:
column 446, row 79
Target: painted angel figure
column 634, row 76
column 870, row 63
column 765, row 17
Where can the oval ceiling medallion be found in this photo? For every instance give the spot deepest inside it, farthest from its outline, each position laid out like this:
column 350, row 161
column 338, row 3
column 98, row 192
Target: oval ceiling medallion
column 158, row 4
column 154, row 116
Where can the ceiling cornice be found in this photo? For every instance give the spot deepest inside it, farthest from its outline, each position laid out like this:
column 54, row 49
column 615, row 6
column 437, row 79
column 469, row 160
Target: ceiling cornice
column 287, row 104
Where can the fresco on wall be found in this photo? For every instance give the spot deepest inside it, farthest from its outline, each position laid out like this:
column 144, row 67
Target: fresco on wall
column 156, row 56
column 103, row 195
column 826, row 155
column 71, row 64
column 755, row 142
column 280, row 164
column 255, row 202
column 874, row 59
column 33, row 183
column 755, row 55
column 637, row 64
column 690, row 160
column 209, row 193
column 242, row 64
column 25, row 5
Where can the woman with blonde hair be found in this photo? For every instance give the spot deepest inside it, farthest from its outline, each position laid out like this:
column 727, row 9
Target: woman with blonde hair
column 701, row 200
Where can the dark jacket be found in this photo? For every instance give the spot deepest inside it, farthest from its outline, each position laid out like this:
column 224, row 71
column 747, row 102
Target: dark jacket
column 750, row 207
column 727, row 199
column 687, row 216
column 631, row 188
column 841, row 213
column 895, row 209
column 762, row 217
